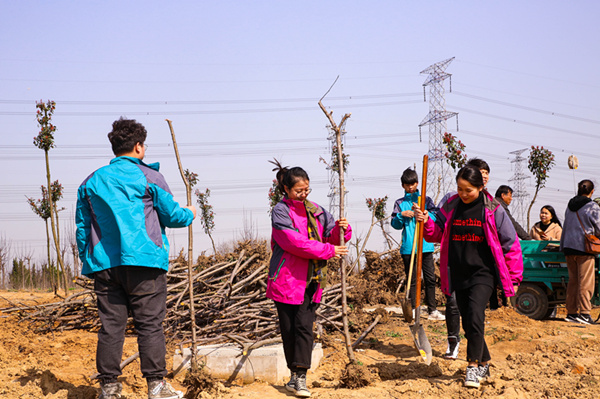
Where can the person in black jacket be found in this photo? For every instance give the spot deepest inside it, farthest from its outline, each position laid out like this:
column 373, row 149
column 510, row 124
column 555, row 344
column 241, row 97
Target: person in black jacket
column 504, row 197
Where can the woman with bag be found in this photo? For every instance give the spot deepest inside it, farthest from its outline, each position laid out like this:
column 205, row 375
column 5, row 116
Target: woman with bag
column 582, row 219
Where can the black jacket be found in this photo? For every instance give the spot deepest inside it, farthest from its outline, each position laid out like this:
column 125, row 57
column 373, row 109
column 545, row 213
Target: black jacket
column 523, row 235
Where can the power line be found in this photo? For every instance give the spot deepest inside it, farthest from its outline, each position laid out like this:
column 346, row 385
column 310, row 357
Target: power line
column 524, row 107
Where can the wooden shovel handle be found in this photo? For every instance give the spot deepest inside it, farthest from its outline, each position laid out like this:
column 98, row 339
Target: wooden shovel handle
column 420, row 233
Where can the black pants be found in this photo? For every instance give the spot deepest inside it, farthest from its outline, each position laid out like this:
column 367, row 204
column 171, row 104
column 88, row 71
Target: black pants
column 296, row 324
column 452, row 317
column 472, row 303
column 143, row 292
column 428, row 278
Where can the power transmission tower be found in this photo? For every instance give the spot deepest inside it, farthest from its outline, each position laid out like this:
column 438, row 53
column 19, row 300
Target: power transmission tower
column 520, row 194
column 439, row 173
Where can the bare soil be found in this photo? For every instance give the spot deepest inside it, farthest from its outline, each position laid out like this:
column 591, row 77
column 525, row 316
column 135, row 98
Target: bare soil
column 531, row 359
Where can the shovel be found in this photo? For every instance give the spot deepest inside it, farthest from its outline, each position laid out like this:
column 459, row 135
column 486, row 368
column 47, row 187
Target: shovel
column 417, row 331
column 405, row 302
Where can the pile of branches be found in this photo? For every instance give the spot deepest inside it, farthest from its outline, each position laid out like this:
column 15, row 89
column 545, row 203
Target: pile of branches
column 229, row 301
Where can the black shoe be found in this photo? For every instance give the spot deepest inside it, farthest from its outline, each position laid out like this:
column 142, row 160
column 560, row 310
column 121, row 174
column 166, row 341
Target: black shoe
column 572, row 318
column 585, row 319
column 452, row 350
column 472, row 377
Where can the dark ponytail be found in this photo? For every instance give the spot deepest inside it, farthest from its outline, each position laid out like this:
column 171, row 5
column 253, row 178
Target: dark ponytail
column 288, row 177
column 585, row 187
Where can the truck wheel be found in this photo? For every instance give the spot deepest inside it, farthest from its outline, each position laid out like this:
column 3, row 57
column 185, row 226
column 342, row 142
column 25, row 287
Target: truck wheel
column 532, row 301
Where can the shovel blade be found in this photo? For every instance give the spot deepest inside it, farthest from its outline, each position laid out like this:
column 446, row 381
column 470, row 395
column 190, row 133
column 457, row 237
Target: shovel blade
column 422, row 343
column 406, row 310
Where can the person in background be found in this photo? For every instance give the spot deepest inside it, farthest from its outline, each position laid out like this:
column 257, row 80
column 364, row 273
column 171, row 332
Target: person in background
column 304, row 236
column 403, row 219
column 479, row 250
column 504, row 195
column 549, row 227
column 122, row 211
column 452, row 312
column 582, row 216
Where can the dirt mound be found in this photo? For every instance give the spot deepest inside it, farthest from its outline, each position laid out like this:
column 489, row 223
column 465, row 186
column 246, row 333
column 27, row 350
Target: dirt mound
column 201, row 385
column 356, row 376
column 376, row 284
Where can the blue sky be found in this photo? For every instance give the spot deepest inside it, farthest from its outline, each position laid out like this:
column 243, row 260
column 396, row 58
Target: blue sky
column 241, row 79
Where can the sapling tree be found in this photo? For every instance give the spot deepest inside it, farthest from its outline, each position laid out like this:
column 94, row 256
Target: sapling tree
column 189, row 179
column 41, row 207
column 207, row 215
column 377, row 207
column 540, row 161
column 342, row 162
column 275, row 195
column 45, row 141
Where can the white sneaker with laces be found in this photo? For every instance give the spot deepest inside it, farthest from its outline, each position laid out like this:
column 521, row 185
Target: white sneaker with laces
column 436, row 315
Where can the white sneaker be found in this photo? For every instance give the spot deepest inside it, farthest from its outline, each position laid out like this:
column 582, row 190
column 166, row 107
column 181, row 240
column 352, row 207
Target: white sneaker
column 436, row 315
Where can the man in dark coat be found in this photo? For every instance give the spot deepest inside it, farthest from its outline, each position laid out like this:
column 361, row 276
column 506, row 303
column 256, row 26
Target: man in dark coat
column 504, row 197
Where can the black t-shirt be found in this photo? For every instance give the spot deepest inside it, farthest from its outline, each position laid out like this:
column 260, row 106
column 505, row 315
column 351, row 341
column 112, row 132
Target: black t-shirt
column 470, row 257
column 543, row 226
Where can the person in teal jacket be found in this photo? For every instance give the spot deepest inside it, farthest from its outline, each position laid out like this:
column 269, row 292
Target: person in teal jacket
column 122, row 211
column 403, row 219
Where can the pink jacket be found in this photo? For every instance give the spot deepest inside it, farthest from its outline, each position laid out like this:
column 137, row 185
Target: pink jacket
column 500, row 235
column 288, row 269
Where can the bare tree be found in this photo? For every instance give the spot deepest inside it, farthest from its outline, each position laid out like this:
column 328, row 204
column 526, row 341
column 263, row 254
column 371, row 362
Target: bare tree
column 4, row 259
column 341, row 160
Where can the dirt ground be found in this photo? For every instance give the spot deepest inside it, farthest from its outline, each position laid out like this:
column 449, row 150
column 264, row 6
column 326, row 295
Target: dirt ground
column 531, row 359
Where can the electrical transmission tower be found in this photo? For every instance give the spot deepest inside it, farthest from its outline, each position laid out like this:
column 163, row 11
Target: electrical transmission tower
column 520, row 194
column 334, row 182
column 439, row 173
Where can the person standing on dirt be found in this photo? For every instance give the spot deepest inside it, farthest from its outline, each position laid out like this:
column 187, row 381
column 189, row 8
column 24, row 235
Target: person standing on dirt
column 452, row 312
column 581, row 217
column 479, row 249
column 403, row 219
column 122, row 211
column 304, row 236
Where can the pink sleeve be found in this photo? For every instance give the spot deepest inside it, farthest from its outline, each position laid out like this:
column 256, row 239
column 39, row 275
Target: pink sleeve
column 432, row 232
column 334, row 237
column 295, row 243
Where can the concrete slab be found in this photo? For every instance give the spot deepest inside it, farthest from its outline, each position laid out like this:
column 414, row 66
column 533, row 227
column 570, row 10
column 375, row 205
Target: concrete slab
column 225, row 360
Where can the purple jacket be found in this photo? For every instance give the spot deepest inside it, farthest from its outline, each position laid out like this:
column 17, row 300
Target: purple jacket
column 500, row 235
column 288, row 269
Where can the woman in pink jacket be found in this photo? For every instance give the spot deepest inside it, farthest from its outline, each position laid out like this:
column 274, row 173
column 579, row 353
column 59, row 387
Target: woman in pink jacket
column 479, row 250
column 304, row 236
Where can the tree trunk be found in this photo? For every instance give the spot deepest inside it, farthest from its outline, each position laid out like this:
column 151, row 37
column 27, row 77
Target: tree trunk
column 537, row 190
column 49, row 257
column 340, row 157
column 188, row 190
column 213, row 243
column 53, row 225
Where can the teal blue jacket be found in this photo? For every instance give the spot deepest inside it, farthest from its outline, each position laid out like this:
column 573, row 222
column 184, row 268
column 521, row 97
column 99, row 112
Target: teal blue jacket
column 122, row 211
column 408, row 225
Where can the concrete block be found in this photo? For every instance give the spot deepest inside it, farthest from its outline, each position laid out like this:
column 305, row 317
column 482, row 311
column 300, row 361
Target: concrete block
column 223, row 361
